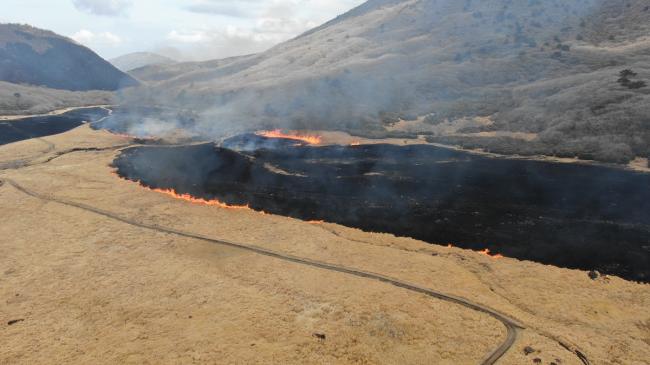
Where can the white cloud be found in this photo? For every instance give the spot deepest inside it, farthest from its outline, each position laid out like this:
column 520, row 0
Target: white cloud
column 231, row 40
column 319, row 10
column 240, row 9
column 103, row 7
column 91, row 39
column 191, row 26
column 194, row 36
column 263, row 24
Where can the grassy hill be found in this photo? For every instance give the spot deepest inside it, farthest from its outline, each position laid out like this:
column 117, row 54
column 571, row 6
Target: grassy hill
column 22, row 99
column 159, row 72
column 137, row 60
column 38, row 57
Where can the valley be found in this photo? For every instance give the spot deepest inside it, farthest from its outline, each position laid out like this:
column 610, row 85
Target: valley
column 325, row 182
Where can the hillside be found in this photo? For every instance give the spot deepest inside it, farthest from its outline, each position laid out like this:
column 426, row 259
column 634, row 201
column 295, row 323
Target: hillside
column 21, row 99
column 37, row 57
column 137, row 60
column 155, row 73
column 547, row 69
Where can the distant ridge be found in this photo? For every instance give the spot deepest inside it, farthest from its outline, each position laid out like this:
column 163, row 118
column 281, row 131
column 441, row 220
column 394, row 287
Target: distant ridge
column 33, row 56
column 132, row 61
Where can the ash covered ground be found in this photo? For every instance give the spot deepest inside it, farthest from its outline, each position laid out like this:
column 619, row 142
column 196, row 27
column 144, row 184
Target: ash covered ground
column 581, row 217
column 42, row 126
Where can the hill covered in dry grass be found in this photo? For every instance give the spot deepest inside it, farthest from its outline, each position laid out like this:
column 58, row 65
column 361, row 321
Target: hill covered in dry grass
column 550, row 69
column 132, row 61
column 23, row 99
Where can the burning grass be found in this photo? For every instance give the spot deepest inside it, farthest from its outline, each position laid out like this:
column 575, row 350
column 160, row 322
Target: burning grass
column 189, row 198
column 486, row 252
column 294, row 136
column 521, row 209
column 199, row 201
column 219, row 204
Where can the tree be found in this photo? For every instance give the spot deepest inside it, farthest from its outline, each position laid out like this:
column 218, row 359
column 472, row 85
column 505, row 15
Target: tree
column 627, row 73
column 624, row 80
column 637, row 84
column 17, row 96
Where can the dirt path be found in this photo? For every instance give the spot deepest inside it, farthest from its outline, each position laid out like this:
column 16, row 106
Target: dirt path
column 512, row 326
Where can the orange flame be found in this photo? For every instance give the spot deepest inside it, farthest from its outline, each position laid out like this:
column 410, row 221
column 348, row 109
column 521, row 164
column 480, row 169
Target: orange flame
column 294, row 136
column 355, row 143
column 216, row 203
column 200, row 201
column 487, row 252
column 189, row 198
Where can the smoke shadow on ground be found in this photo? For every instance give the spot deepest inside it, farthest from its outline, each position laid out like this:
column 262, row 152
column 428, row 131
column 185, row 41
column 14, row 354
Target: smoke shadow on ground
column 572, row 216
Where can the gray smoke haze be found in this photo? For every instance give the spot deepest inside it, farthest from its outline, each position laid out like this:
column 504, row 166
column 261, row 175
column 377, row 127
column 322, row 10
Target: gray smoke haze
column 550, row 69
column 444, row 59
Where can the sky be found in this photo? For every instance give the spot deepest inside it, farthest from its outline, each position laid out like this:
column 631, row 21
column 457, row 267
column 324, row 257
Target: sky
column 181, row 29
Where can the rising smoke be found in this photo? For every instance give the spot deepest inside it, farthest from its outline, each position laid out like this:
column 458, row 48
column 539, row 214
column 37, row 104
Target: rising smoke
column 393, row 59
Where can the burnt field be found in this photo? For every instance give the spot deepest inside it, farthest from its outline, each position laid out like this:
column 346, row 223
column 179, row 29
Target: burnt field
column 573, row 216
column 34, row 127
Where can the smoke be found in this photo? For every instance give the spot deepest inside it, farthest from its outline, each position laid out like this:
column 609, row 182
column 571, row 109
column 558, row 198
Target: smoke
column 516, row 62
column 148, row 127
column 383, row 61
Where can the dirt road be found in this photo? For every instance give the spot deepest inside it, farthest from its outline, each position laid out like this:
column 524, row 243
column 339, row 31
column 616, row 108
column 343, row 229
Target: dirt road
column 512, row 326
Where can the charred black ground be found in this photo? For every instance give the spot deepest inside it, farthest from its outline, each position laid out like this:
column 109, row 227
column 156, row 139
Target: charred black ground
column 34, row 127
column 574, row 216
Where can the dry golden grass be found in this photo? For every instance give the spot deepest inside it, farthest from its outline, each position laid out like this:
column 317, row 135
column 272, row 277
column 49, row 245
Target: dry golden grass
column 95, row 290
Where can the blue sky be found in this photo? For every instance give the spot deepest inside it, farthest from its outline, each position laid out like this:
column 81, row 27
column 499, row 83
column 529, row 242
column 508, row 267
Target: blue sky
column 183, row 29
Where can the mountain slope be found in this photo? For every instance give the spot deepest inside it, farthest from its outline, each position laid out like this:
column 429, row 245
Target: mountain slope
column 24, row 100
column 167, row 72
column 549, row 69
column 37, row 57
column 137, row 60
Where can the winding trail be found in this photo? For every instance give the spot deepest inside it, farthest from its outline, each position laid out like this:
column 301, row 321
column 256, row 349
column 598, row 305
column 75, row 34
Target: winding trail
column 512, row 326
